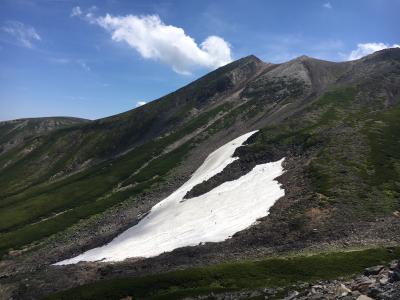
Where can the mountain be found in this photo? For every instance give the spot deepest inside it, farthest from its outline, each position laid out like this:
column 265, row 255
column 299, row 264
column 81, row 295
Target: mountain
column 73, row 188
column 16, row 132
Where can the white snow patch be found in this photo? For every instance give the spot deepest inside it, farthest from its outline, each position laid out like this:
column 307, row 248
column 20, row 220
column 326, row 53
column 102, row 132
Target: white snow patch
column 212, row 217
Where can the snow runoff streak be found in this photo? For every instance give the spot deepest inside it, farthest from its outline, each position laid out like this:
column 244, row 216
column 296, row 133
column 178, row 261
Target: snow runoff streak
column 212, row 217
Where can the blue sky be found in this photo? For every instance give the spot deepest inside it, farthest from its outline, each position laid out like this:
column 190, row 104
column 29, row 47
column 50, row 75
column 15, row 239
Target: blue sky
column 92, row 59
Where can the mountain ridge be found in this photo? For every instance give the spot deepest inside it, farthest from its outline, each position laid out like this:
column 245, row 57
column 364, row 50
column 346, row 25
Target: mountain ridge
column 76, row 188
column 14, row 132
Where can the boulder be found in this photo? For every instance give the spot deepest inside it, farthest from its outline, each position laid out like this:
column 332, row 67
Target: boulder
column 384, row 280
column 355, row 294
column 362, row 284
column 394, row 265
column 363, row 297
column 374, row 292
column 342, row 290
column 373, row 270
column 394, row 275
column 292, row 295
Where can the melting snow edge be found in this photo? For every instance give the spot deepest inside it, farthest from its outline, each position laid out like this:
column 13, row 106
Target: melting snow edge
column 212, row 217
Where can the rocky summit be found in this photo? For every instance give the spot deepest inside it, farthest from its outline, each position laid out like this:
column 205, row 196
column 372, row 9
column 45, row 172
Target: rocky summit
column 71, row 185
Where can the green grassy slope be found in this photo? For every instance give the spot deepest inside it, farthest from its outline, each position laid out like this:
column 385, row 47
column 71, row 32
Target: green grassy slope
column 16, row 132
column 52, row 156
column 37, row 199
column 273, row 272
column 354, row 150
column 49, row 208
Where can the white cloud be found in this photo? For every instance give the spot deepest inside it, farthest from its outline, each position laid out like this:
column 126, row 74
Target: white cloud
column 168, row 44
column 140, row 103
column 368, row 48
column 327, row 5
column 87, row 14
column 76, row 11
column 26, row 35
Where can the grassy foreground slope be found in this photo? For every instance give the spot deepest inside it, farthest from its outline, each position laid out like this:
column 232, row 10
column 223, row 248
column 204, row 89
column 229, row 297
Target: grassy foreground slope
column 273, row 272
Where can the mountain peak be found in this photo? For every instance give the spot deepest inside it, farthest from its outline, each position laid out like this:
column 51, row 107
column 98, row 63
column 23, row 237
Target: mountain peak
column 251, row 57
column 303, row 57
column 247, row 59
column 384, row 54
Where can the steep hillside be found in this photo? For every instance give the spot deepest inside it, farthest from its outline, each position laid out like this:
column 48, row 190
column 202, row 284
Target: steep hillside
column 336, row 124
column 73, row 149
column 16, row 132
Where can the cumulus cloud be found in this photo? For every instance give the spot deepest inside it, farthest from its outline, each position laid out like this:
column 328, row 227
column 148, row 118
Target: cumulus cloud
column 26, row 35
column 140, row 103
column 327, row 5
column 153, row 39
column 368, row 48
column 169, row 44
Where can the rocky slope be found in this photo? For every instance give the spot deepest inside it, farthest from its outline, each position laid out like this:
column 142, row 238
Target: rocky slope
column 75, row 188
column 377, row 282
column 16, row 132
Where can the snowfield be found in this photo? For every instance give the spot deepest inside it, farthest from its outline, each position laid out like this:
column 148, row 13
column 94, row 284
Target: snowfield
column 212, row 217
